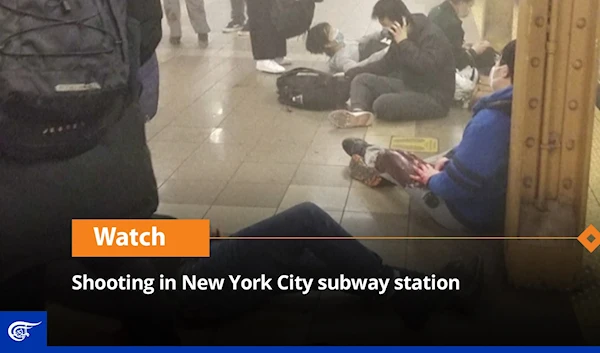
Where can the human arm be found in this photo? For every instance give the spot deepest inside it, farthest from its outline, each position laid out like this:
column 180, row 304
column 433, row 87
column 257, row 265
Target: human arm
column 424, row 57
column 477, row 159
column 379, row 68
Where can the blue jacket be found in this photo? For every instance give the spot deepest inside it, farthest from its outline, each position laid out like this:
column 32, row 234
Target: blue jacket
column 473, row 184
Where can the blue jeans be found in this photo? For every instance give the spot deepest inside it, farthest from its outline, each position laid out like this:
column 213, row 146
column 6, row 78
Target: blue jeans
column 252, row 258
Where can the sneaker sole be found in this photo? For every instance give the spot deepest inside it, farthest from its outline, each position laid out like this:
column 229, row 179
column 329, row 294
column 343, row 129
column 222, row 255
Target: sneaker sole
column 271, row 72
column 344, row 120
column 361, row 172
column 231, row 30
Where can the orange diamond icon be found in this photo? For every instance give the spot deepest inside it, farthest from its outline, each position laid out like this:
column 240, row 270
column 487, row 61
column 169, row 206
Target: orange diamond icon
column 590, row 238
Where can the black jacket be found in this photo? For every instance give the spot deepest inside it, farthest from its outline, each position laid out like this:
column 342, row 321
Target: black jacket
column 445, row 17
column 149, row 14
column 113, row 180
column 424, row 62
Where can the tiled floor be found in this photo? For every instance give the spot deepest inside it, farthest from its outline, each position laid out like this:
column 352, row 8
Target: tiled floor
column 224, row 149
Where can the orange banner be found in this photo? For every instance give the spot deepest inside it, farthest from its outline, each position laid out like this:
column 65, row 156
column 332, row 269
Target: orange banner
column 140, row 238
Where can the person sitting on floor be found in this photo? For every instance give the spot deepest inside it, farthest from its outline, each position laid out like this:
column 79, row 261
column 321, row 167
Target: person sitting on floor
column 343, row 56
column 472, row 60
column 466, row 189
column 448, row 17
column 414, row 81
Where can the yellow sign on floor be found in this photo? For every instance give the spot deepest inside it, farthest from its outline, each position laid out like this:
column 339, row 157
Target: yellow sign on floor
column 415, row 144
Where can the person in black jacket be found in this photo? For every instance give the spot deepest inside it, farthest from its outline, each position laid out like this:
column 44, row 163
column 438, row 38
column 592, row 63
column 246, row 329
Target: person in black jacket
column 113, row 180
column 269, row 47
column 414, row 81
column 448, row 16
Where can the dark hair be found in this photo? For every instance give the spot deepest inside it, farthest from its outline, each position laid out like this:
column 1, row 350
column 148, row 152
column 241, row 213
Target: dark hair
column 507, row 57
column 317, row 38
column 395, row 10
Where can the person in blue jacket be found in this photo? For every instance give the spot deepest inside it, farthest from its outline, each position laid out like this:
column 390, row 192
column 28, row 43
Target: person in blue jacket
column 466, row 189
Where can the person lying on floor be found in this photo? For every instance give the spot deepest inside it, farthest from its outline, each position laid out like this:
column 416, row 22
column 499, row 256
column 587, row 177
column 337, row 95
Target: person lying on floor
column 415, row 79
column 343, row 56
column 335, row 254
column 466, row 189
column 472, row 60
column 448, row 16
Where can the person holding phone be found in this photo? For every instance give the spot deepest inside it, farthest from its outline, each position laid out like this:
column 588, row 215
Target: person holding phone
column 415, row 80
column 465, row 188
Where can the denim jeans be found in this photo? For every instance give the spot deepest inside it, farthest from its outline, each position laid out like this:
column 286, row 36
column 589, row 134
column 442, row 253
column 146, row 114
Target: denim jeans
column 324, row 258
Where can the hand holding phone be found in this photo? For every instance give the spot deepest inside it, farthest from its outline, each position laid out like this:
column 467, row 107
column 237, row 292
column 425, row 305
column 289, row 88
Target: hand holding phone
column 399, row 31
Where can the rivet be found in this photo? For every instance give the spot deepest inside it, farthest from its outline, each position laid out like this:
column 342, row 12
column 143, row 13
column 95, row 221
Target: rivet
column 540, row 21
column 533, row 103
column 60, row 129
column 528, row 182
column 568, row 184
column 45, row 132
column 578, row 64
column 51, row 130
column 530, row 142
column 535, row 62
column 570, row 145
column 573, row 105
column 581, row 23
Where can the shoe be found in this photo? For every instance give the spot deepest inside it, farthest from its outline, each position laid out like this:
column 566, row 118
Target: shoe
column 175, row 40
column 245, row 31
column 355, row 146
column 360, row 171
column 470, row 73
column 269, row 66
column 343, row 119
column 203, row 40
column 233, row 27
column 283, row 61
column 466, row 82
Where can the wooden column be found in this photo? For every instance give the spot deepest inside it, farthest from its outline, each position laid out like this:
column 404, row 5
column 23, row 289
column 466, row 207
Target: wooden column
column 552, row 124
column 497, row 19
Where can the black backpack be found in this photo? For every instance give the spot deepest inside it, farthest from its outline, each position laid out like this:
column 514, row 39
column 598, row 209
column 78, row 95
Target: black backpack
column 313, row 90
column 64, row 75
column 292, row 18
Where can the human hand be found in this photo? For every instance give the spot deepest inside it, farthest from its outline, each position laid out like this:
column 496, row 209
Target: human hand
column 480, row 47
column 424, row 172
column 441, row 163
column 399, row 31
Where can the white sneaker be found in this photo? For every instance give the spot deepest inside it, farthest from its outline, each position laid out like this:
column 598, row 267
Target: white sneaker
column 269, row 66
column 470, row 73
column 344, row 119
column 283, row 61
column 465, row 86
